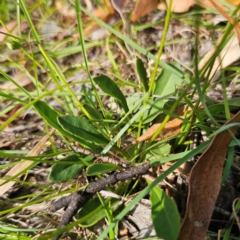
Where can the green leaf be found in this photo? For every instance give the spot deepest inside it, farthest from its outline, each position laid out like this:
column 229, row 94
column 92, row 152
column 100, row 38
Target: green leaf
column 166, row 85
column 159, row 151
column 218, row 110
column 89, row 102
column 234, row 102
column 14, row 45
column 14, row 236
column 61, row 172
column 48, row 114
column 88, row 96
column 100, row 168
column 142, row 73
column 111, row 88
column 92, row 111
column 134, row 103
column 91, row 213
column 165, row 216
column 51, row 116
column 167, row 82
column 82, row 129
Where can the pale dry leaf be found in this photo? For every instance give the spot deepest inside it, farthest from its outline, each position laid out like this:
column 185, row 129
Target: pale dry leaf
column 20, row 78
column 204, row 185
column 185, row 5
column 104, row 12
column 6, row 185
column 144, row 7
column 119, row 6
column 171, row 128
column 67, row 12
column 49, row 30
column 229, row 54
column 140, row 215
column 230, row 19
column 177, row 7
column 12, row 28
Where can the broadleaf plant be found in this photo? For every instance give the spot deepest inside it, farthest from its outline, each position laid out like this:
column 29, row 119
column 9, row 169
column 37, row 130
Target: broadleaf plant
column 111, row 88
column 66, row 169
column 165, row 216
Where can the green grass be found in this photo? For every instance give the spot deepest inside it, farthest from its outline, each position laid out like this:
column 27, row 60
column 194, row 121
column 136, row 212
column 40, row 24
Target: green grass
column 88, row 121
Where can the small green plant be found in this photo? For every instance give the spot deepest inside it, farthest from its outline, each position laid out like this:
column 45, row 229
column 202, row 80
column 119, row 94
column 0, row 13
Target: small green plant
column 85, row 119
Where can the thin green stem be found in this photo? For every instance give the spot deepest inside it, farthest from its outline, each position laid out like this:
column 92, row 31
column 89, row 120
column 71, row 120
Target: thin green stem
column 80, row 30
column 153, row 75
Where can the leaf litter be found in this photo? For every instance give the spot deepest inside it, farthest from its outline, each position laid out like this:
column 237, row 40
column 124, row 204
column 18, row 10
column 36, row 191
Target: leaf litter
column 205, row 183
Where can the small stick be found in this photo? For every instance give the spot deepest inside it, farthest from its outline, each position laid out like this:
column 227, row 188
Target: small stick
column 73, row 202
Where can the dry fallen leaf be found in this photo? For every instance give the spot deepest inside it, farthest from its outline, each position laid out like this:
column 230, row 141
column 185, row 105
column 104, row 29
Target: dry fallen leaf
column 144, row 7
column 185, row 5
column 6, row 185
column 230, row 19
column 67, row 12
column 204, row 185
column 20, row 78
column 103, row 12
column 170, row 129
column 229, row 54
column 12, row 28
column 177, row 7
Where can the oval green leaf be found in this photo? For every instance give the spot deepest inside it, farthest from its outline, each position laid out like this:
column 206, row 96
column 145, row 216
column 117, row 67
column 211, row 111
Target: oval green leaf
column 48, row 114
column 92, row 111
column 165, row 216
column 61, row 172
column 91, row 213
column 82, row 129
column 111, row 88
column 166, row 85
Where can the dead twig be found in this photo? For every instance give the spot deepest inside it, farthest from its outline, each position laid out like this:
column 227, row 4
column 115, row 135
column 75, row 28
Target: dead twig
column 73, row 202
